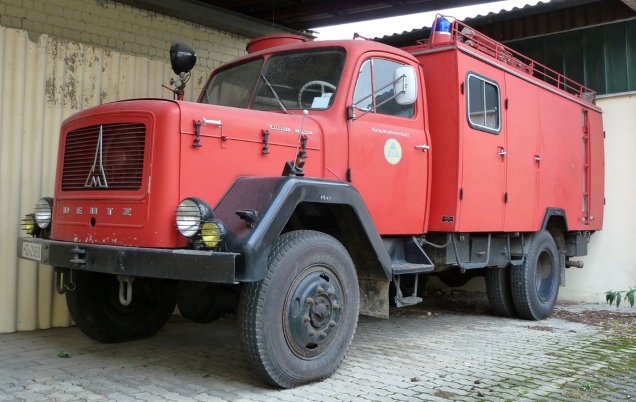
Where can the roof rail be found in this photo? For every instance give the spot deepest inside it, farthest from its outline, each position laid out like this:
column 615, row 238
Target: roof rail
column 448, row 30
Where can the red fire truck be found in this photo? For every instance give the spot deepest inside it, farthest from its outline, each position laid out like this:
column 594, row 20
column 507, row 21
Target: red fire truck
column 310, row 179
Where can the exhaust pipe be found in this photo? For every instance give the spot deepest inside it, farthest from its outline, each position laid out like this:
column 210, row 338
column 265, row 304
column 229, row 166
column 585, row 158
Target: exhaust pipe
column 576, row 264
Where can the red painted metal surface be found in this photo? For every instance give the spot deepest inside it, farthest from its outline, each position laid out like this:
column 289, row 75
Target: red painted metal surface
column 537, row 152
column 505, row 181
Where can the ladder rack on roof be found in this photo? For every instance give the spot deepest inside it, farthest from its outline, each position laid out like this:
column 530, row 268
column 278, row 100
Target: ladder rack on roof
column 461, row 33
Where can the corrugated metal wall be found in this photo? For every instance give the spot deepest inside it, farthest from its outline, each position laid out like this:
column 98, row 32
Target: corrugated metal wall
column 40, row 85
column 601, row 58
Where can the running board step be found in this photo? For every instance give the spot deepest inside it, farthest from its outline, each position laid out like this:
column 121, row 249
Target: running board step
column 403, row 267
column 407, row 256
column 407, row 301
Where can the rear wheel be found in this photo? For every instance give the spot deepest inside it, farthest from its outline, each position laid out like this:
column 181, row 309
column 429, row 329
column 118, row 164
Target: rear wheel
column 298, row 322
column 95, row 307
column 499, row 291
column 535, row 283
column 204, row 302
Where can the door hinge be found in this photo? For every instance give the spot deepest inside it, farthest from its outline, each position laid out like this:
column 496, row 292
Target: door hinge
column 461, row 193
column 506, row 197
column 348, row 175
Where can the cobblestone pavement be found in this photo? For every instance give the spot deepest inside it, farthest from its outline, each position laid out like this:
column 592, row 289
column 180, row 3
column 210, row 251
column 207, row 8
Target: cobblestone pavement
column 414, row 356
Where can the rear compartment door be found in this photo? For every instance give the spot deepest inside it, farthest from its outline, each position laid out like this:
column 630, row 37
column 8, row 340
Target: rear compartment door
column 482, row 193
column 524, row 157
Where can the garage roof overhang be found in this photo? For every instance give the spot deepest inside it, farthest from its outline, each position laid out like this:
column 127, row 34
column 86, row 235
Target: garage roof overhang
column 254, row 18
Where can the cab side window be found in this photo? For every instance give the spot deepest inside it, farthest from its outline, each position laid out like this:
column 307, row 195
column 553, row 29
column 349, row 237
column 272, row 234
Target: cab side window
column 374, row 89
column 484, row 104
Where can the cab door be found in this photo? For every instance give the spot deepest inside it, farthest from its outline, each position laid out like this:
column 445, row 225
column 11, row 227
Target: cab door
column 388, row 148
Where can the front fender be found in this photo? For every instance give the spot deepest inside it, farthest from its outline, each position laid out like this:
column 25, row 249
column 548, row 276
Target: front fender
column 274, row 200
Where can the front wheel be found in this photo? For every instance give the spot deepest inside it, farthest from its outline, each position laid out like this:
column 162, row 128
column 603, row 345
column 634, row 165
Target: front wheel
column 298, row 322
column 95, row 307
column 535, row 283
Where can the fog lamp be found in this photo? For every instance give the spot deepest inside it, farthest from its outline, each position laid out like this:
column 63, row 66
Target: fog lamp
column 191, row 213
column 43, row 212
column 213, row 233
column 28, row 225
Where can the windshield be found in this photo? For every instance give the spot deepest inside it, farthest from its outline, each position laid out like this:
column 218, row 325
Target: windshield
column 300, row 80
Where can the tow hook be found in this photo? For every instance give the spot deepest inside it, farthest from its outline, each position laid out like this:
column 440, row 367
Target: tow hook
column 125, row 289
column 63, row 280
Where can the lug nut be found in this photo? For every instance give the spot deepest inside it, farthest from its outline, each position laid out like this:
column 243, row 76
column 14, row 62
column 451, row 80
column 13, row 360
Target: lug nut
column 332, row 323
column 320, row 290
column 306, row 318
column 336, row 306
column 312, row 333
column 323, row 335
column 310, row 300
column 330, row 291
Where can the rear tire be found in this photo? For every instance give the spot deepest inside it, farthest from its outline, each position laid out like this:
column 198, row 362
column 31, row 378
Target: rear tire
column 94, row 306
column 535, row 283
column 499, row 291
column 204, row 302
column 298, row 322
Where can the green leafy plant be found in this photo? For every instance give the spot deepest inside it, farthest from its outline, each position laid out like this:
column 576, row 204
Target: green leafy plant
column 587, row 387
column 624, row 295
column 63, row 355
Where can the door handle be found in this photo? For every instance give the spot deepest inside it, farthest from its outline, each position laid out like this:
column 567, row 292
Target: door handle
column 424, row 148
column 537, row 158
column 502, row 151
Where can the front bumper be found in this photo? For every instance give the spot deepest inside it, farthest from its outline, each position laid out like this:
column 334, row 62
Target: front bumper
column 182, row 264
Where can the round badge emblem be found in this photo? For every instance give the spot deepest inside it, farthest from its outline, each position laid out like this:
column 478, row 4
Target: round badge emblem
column 392, row 151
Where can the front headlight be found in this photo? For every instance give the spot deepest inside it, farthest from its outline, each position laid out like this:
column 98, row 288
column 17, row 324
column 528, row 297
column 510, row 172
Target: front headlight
column 44, row 212
column 191, row 213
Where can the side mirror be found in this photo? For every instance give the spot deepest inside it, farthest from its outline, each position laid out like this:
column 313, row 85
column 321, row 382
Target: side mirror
column 182, row 57
column 405, row 85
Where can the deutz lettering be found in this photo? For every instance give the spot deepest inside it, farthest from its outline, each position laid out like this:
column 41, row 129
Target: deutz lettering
column 95, row 211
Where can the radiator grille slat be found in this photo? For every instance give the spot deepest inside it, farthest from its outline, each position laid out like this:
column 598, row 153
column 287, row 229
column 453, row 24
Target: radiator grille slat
column 121, row 157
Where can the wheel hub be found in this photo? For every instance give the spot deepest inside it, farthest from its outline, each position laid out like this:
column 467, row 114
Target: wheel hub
column 312, row 311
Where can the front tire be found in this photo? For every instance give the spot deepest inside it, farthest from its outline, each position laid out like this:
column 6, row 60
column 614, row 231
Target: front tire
column 298, row 322
column 535, row 283
column 94, row 306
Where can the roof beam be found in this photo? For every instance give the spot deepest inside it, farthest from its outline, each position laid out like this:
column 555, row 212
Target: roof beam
column 210, row 16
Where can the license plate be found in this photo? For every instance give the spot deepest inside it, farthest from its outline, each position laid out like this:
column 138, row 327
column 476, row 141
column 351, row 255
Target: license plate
column 32, row 251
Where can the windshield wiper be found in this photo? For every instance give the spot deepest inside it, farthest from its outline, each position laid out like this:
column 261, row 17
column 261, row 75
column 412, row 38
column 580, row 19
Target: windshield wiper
column 280, row 102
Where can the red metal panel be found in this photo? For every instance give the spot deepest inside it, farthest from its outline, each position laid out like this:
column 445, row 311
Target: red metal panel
column 442, row 102
column 597, row 170
column 562, row 163
column 523, row 157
